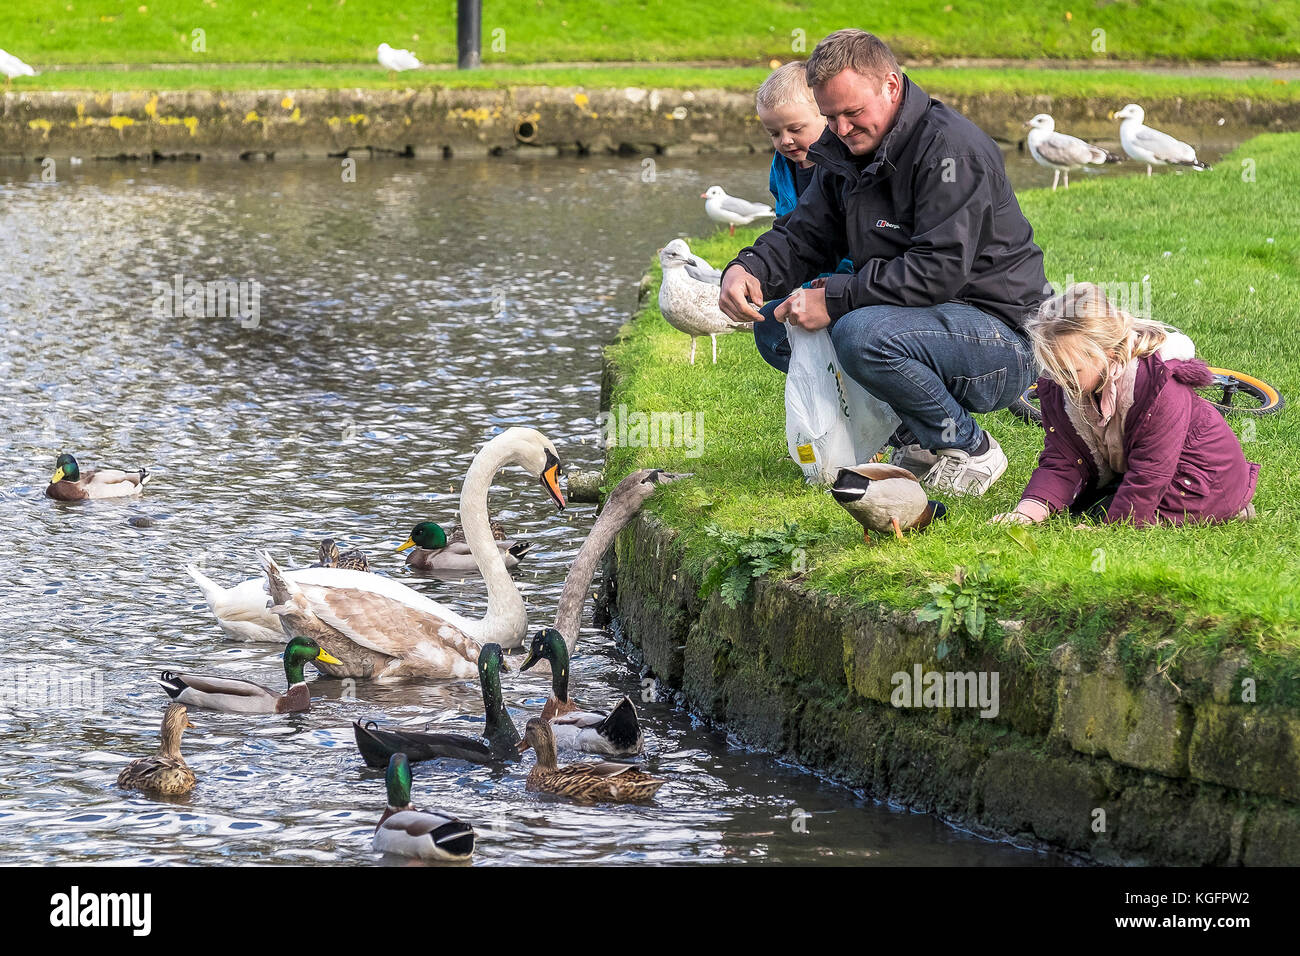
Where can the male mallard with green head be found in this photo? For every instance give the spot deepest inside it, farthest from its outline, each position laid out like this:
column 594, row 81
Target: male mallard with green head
column 435, row 550
column 423, row 834
column 164, row 772
column 377, row 744
column 603, row 782
column 245, row 697
column 616, row 734
column 70, row 483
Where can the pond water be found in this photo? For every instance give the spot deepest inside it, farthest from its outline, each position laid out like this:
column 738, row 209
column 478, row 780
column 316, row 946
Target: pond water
column 404, row 319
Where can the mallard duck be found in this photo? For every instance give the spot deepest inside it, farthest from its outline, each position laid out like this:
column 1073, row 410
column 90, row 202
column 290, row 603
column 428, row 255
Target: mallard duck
column 385, row 640
column 602, row 782
column 332, row 557
column 435, row 550
column 377, row 745
column 70, row 483
column 883, row 497
column 244, row 696
column 424, row 834
column 164, row 772
column 616, row 734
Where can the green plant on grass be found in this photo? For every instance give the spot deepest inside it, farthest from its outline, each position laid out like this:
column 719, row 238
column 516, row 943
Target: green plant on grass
column 741, row 556
column 962, row 605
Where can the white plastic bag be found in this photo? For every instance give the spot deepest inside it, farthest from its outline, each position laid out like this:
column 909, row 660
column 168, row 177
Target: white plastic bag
column 831, row 421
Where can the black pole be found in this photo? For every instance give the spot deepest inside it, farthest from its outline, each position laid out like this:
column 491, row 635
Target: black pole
column 469, row 33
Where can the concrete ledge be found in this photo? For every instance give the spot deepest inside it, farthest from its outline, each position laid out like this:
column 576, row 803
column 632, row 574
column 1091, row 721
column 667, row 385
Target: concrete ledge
column 523, row 121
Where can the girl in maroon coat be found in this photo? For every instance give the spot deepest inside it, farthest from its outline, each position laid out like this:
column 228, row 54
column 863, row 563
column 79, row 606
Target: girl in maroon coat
column 1127, row 437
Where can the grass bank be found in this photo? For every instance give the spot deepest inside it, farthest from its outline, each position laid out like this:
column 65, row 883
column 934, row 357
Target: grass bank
column 343, row 31
column 1222, row 250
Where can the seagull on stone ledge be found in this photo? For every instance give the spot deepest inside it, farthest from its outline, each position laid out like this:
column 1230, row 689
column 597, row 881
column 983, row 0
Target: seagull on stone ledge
column 1061, row 152
column 11, row 67
column 733, row 212
column 1149, row 145
column 395, row 61
column 688, row 296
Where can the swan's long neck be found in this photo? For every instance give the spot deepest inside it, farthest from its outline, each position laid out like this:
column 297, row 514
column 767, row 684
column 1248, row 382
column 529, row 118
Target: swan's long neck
column 503, row 596
column 568, row 614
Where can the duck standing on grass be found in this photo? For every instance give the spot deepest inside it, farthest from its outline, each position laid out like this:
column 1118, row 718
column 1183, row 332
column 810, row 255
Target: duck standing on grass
column 885, row 498
column 584, row 782
column 165, row 772
column 70, row 483
column 616, row 734
column 244, row 696
column 424, row 834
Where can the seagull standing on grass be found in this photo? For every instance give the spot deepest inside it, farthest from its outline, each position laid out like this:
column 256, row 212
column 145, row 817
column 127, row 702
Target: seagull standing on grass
column 731, row 211
column 1061, row 152
column 1149, row 145
column 11, row 66
column 688, row 296
column 396, row 61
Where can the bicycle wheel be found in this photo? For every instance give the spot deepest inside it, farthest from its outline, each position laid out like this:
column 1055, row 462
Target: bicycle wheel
column 1241, row 394
column 1025, row 407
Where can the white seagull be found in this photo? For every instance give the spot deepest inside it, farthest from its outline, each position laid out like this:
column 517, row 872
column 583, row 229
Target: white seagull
column 11, row 66
column 1061, row 152
column 395, row 61
column 1149, row 145
column 688, row 296
column 731, row 211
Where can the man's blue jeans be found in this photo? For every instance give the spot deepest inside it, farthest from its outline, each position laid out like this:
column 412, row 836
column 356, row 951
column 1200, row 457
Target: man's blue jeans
column 933, row 365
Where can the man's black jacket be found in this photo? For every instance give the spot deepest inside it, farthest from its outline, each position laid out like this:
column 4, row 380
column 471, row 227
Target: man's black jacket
column 928, row 218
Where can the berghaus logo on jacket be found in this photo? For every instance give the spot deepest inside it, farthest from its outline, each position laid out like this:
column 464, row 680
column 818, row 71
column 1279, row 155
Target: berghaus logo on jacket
column 886, row 224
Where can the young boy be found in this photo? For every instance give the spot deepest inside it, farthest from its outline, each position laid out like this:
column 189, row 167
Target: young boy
column 789, row 114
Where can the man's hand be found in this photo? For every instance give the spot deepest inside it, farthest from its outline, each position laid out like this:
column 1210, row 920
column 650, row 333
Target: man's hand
column 740, row 292
column 805, row 308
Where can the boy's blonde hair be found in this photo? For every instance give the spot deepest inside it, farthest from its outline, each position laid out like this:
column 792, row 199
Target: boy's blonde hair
column 784, row 86
column 1082, row 323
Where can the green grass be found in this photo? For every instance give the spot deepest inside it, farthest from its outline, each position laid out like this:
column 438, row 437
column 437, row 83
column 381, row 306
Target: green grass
column 1204, row 241
column 1111, row 85
column 539, row 31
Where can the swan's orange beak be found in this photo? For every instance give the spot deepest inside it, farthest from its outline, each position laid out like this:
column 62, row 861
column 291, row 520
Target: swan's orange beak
column 551, row 480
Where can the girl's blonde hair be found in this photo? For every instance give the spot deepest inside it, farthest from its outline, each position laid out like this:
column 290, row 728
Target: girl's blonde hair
column 1081, row 323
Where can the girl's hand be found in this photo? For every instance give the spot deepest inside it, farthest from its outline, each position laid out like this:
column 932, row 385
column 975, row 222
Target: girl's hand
column 1011, row 517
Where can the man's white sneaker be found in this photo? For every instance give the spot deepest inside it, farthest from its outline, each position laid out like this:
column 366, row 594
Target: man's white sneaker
column 914, row 458
column 962, row 473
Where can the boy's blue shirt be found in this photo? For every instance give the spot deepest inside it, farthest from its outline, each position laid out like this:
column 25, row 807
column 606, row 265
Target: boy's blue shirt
column 781, row 183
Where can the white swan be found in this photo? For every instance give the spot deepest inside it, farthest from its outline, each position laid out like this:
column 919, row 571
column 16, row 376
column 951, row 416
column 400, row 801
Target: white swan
column 243, row 610
column 384, row 639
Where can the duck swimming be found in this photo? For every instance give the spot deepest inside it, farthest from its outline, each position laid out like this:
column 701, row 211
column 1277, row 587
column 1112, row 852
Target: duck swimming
column 245, row 697
column 164, row 772
column 435, row 550
column 70, row 483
